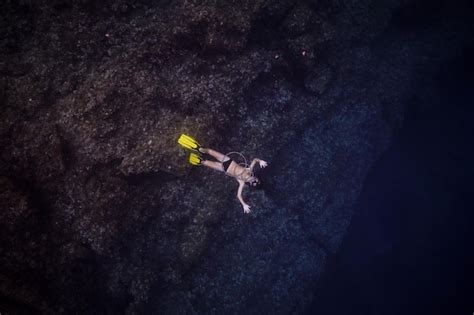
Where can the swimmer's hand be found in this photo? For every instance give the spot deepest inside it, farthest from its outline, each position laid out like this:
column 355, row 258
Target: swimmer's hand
column 262, row 163
column 246, row 209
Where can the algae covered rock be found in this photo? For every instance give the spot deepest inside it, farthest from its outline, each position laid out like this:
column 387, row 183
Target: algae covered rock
column 101, row 212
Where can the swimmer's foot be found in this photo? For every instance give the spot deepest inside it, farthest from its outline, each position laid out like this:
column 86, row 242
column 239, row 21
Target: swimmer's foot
column 189, row 143
column 195, row 159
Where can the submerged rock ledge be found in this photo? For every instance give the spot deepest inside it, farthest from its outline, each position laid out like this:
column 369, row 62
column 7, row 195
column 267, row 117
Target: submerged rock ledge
column 100, row 210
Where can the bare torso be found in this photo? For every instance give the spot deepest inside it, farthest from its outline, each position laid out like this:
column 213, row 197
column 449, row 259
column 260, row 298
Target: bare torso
column 238, row 172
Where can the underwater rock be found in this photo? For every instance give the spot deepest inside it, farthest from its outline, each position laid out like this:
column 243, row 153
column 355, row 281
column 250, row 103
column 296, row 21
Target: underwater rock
column 318, row 80
column 101, row 212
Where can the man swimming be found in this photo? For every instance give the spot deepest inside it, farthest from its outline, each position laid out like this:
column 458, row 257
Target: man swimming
column 243, row 174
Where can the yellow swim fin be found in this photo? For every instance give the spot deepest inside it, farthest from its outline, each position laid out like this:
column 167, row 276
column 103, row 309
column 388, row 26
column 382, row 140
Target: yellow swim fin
column 195, row 159
column 188, row 143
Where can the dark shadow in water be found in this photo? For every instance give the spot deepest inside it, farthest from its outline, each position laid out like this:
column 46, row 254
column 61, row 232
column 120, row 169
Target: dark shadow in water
column 409, row 248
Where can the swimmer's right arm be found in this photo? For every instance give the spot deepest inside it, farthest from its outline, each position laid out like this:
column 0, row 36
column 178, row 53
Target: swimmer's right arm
column 239, row 196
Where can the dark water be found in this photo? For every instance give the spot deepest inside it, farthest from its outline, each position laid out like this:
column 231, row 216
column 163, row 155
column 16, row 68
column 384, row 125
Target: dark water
column 409, row 249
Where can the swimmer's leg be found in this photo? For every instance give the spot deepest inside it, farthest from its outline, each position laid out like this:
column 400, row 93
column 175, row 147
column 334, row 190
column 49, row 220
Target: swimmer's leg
column 217, row 155
column 214, row 165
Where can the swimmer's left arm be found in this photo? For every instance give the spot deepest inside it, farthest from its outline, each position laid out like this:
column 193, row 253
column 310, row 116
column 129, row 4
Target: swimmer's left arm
column 262, row 163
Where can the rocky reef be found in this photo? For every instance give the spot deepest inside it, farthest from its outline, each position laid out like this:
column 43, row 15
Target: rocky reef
column 100, row 211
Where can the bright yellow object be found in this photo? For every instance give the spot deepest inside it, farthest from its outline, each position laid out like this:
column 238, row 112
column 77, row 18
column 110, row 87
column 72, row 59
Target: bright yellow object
column 195, row 159
column 188, row 143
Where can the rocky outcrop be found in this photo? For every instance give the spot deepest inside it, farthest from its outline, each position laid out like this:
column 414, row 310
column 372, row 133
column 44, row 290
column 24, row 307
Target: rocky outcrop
column 101, row 212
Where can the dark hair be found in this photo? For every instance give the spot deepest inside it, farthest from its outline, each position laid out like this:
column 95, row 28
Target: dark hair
column 257, row 184
column 257, row 172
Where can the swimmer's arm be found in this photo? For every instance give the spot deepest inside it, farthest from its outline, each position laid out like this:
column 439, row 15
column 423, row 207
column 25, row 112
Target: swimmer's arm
column 255, row 161
column 252, row 165
column 239, row 196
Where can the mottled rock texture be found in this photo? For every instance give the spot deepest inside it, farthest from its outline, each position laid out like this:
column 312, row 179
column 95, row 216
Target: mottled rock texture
column 100, row 212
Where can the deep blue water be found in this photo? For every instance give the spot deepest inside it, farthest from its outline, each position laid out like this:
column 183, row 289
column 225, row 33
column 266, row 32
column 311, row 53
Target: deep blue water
column 409, row 248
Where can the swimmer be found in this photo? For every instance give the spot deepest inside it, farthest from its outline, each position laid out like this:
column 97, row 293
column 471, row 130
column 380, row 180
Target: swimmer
column 242, row 173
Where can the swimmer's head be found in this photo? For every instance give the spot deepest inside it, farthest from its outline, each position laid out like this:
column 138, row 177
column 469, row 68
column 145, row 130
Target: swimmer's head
column 254, row 182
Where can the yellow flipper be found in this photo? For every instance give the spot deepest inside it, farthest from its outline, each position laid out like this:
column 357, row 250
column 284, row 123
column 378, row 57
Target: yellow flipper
column 195, row 159
column 188, row 143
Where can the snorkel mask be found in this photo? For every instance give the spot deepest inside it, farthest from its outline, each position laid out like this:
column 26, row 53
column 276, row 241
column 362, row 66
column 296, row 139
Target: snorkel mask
column 254, row 182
